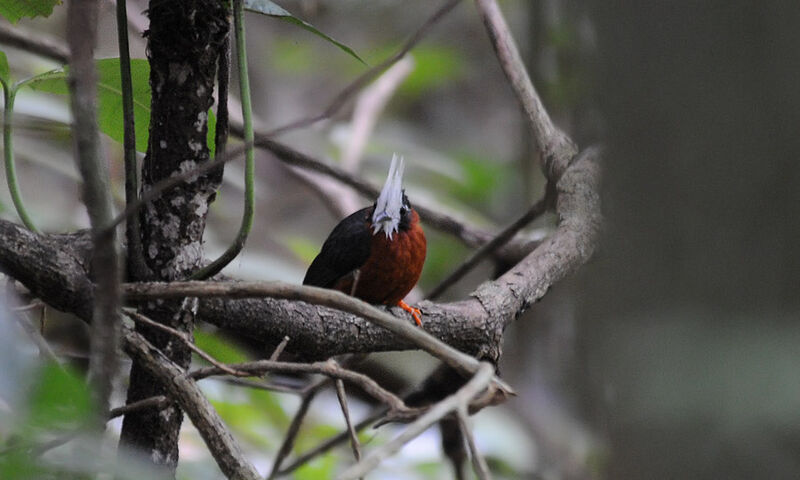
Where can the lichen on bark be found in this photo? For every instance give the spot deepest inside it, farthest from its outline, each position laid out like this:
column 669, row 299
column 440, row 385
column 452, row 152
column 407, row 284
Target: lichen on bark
column 185, row 41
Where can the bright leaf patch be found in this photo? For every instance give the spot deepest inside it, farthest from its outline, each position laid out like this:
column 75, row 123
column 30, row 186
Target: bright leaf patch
column 14, row 10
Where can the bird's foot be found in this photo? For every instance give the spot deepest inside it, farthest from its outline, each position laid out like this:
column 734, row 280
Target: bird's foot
column 415, row 312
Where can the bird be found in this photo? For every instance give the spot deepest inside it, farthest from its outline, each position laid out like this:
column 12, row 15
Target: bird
column 377, row 253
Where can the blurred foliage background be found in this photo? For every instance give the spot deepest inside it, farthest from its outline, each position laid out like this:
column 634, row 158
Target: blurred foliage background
column 671, row 355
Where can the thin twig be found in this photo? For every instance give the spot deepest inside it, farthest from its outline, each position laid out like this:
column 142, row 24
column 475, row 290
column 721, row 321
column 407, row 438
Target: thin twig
column 104, row 339
column 294, row 427
column 270, row 387
column 158, row 402
column 31, row 306
column 37, row 450
column 135, row 264
column 37, row 338
column 34, row 42
column 183, row 337
column 366, row 111
column 330, row 443
column 490, row 247
column 339, row 199
column 475, row 386
column 478, row 462
column 329, row 368
column 248, row 212
column 367, row 77
column 368, row 107
column 342, row 396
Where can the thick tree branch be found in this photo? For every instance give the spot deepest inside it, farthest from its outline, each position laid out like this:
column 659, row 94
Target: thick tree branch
column 183, row 390
column 55, row 268
column 185, row 40
column 319, row 296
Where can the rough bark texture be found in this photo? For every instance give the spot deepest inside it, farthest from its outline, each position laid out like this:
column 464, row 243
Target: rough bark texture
column 474, row 325
column 184, row 43
column 52, row 267
column 185, row 392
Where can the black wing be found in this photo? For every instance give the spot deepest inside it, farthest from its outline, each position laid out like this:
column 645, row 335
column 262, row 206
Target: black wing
column 346, row 249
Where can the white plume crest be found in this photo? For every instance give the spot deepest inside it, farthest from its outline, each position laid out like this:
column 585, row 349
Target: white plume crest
column 386, row 216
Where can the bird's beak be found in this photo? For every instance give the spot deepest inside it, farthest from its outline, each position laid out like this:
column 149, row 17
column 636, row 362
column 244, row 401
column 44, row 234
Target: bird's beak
column 386, row 216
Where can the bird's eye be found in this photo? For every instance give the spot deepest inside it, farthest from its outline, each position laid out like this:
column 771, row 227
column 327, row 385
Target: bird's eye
column 404, row 209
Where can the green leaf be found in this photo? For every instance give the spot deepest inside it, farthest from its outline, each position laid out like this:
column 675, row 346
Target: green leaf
column 5, row 72
column 59, row 399
column 444, row 253
column 272, row 9
column 320, row 467
column 267, row 402
column 434, row 67
column 219, row 347
column 14, row 10
column 109, row 98
column 302, row 247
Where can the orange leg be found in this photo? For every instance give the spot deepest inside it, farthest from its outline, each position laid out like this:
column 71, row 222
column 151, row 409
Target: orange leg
column 415, row 312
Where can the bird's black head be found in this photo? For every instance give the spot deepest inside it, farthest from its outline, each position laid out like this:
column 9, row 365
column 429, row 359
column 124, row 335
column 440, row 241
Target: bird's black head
column 391, row 211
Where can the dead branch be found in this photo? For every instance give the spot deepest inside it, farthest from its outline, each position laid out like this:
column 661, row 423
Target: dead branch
column 294, row 427
column 342, row 396
column 478, row 462
column 461, row 398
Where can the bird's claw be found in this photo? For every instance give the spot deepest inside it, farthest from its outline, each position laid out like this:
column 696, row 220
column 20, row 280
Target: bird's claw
column 415, row 312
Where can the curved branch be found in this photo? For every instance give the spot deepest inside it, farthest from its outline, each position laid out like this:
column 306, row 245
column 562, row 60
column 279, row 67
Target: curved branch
column 55, row 268
column 555, row 147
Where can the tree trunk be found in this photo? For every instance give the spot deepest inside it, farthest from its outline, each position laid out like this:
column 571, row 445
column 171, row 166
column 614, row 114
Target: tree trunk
column 185, row 41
